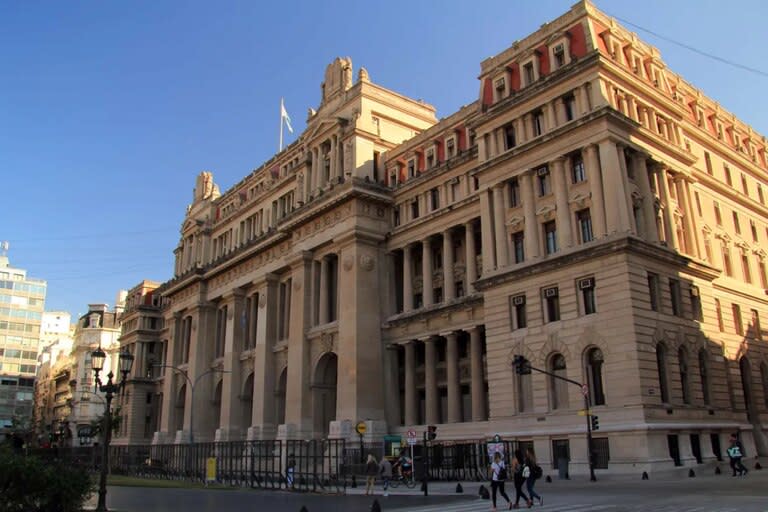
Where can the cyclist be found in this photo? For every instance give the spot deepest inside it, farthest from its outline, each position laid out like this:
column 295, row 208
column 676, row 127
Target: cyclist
column 404, row 465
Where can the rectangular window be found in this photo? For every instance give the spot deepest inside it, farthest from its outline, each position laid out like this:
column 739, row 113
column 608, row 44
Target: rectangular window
column 538, row 123
column 760, row 194
column 528, row 73
column 509, row 136
column 736, row 224
column 455, row 190
column 738, row 327
column 411, row 168
column 676, row 297
column 518, row 319
column 587, row 289
column 753, row 229
column 584, row 221
column 718, row 217
column 578, row 174
column 698, row 202
column 745, row 268
column 542, row 178
column 430, row 158
column 415, row 209
column 518, row 242
column 550, row 237
column 434, row 197
column 559, row 55
column 763, row 274
column 698, row 314
column 653, row 290
column 708, row 161
column 727, row 261
column 450, row 148
column 396, row 215
column 514, row 193
column 569, row 105
column 551, row 304
column 719, row 314
column 744, row 185
column 727, row 173
column 757, row 331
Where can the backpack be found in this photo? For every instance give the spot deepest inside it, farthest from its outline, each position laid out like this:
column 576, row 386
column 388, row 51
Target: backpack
column 537, row 472
column 502, row 472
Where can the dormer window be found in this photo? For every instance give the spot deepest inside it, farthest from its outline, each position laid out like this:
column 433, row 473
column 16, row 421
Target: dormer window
column 529, row 73
column 411, row 168
column 430, row 158
column 559, row 55
column 450, row 147
column 500, row 85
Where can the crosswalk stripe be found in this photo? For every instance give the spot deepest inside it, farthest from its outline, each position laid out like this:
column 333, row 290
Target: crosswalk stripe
column 484, row 505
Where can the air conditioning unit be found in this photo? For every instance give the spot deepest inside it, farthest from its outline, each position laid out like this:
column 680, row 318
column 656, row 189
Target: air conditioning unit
column 586, row 283
column 500, row 84
column 542, row 171
column 550, row 292
column 519, row 300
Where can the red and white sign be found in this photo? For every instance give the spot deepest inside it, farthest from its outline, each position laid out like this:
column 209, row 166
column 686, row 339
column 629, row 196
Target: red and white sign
column 411, row 434
column 585, row 390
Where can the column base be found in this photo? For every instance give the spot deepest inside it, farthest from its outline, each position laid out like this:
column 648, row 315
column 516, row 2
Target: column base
column 181, row 437
column 261, row 433
column 228, row 434
column 163, row 438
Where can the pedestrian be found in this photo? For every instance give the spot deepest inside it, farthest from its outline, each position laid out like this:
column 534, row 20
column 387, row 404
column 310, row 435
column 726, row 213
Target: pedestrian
column 498, row 471
column 735, row 453
column 385, row 470
column 290, row 470
column 518, row 478
column 371, row 470
column 534, row 473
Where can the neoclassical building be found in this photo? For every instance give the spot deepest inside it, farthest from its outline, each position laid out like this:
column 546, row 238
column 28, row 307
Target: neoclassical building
column 591, row 210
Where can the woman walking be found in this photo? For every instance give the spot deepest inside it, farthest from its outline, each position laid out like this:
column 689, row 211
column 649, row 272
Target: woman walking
column 533, row 475
column 371, row 470
column 519, row 479
column 498, row 472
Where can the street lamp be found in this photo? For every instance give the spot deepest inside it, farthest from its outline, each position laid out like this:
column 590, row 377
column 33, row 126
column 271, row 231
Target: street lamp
column 109, row 389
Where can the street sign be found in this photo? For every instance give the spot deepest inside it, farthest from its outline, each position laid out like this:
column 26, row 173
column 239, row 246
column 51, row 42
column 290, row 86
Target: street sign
column 585, row 412
column 361, row 428
column 411, row 434
column 411, row 440
column 585, row 390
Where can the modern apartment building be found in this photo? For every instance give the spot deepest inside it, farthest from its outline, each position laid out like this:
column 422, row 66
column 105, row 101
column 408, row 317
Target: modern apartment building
column 591, row 211
column 22, row 300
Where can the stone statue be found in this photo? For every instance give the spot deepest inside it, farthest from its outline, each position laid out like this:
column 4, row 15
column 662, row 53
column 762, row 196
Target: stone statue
column 205, row 188
column 362, row 75
column 347, row 73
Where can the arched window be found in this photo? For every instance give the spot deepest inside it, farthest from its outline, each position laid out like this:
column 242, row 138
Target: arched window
column 682, row 362
column 704, row 374
column 558, row 387
column 661, row 367
column 595, row 375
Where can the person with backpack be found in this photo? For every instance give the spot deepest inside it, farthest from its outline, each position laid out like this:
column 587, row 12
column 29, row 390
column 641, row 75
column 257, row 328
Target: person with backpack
column 534, row 473
column 735, row 453
column 518, row 467
column 498, row 472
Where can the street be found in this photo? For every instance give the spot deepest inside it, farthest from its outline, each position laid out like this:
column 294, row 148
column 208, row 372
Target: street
column 677, row 493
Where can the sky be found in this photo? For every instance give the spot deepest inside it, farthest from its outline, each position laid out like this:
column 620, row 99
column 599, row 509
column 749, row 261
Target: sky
column 109, row 110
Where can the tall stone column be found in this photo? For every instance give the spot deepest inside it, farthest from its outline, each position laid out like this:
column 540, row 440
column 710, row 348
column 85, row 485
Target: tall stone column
column 407, row 279
column 315, row 169
column 200, row 358
column 323, row 307
column 486, row 228
column 479, row 412
column 298, row 400
column 452, row 374
column 166, row 431
column 669, row 219
column 597, row 211
column 470, row 256
column 334, row 155
column 430, row 380
column 231, row 410
column 264, row 419
column 564, row 234
column 502, row 257
column 529, row 211
column 624, row 175
column 549, row 114
column 583, row 97
column 427, row 291
column 449, row 284
column 649, row 212
column 616, row 211
column 411, row 397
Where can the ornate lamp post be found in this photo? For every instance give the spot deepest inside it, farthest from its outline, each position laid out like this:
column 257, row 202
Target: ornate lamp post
column 109, row 389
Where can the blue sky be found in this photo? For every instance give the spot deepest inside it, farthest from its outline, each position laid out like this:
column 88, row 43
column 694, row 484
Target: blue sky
column 108, row 110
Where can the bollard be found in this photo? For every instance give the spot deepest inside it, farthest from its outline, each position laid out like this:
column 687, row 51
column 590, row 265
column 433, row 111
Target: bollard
column 691, row 473
column 645, row 475
column 548, row 479
column 483, row 492
column 354, row 482
column 717, row 470
column 423, row 485
column 459, row 488
column 375, row 507
column 758, row 466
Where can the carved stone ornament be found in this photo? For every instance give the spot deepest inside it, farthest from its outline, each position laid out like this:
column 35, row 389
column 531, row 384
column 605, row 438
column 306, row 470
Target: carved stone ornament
column 348, row 263
column 262, row 300
column 326, row 342
column 366, row 262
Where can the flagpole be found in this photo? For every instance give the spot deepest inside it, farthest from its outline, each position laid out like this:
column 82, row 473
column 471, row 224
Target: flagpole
column 281, row 124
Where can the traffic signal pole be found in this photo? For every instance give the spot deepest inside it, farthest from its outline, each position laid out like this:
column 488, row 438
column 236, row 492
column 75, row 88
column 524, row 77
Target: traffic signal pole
column 523, row 367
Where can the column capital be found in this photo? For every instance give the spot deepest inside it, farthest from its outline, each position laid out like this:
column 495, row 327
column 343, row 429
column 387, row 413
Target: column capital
column 473, row 328
column 428, row 339
column 559, row 160
column 446, row 334
column 230, row 295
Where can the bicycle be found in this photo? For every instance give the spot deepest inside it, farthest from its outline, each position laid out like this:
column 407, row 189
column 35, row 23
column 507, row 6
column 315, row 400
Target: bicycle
column 406, row 478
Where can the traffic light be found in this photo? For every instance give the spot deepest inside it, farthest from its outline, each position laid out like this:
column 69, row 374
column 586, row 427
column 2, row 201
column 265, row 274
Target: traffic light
column 595, row 423
column 431, row 432
column 521, row 364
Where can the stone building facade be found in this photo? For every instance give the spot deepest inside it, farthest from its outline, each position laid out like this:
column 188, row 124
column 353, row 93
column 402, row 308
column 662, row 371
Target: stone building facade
column 591, row 211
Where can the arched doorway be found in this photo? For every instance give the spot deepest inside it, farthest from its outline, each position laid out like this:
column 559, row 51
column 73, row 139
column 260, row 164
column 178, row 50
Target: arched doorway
column 280, row 391
column 324, row 393
column 246, row 404
column 181, row 399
